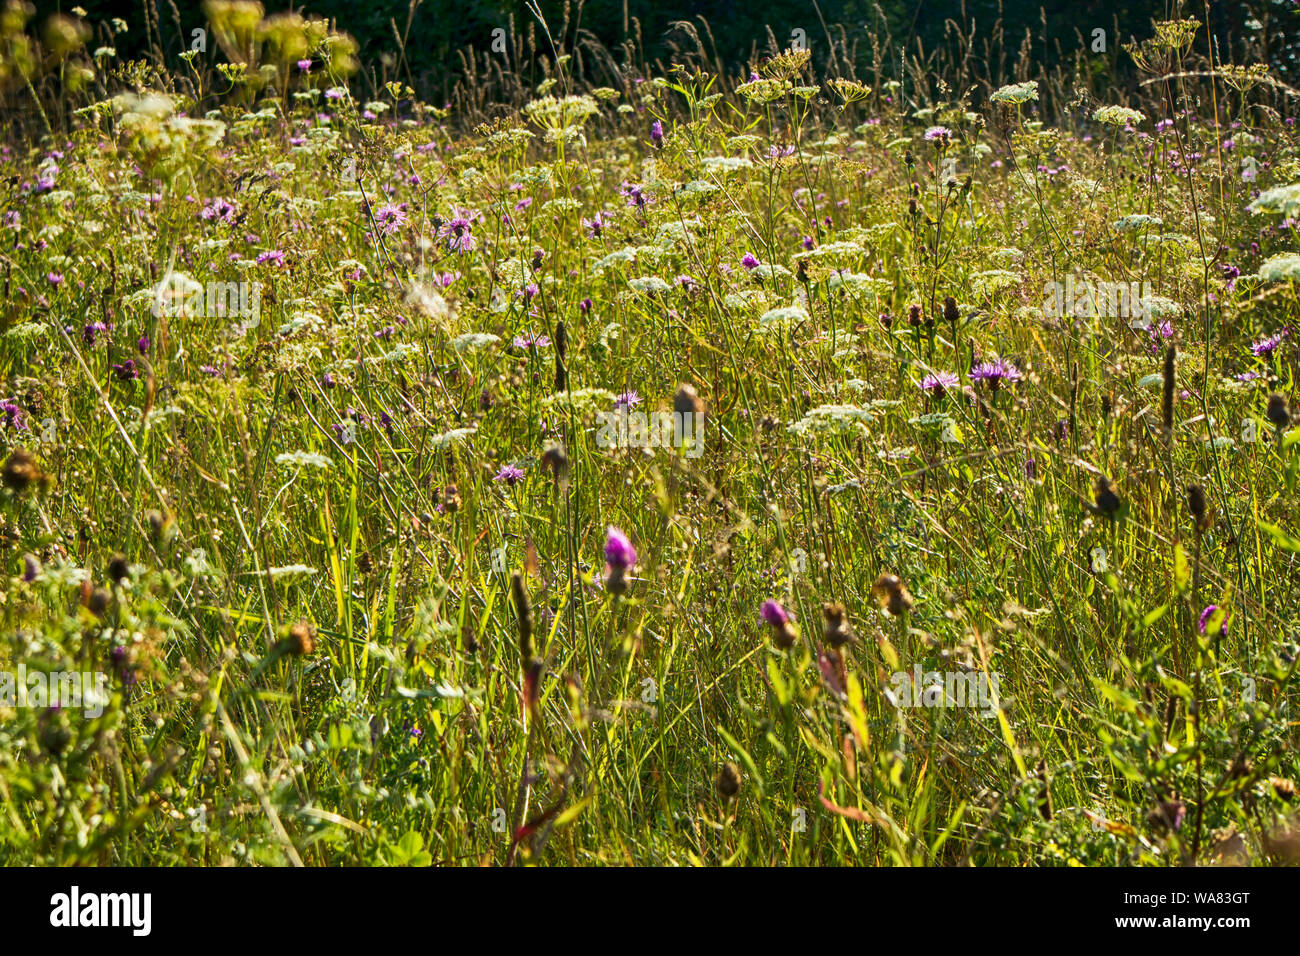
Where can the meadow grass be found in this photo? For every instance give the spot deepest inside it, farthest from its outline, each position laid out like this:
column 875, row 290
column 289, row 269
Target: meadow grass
column 307, row 446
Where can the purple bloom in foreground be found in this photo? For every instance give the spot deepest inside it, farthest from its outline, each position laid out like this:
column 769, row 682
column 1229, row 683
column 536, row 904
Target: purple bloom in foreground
column 271, row 255
column 627, row 400
column 774, row 614
column 938, row 383
column 1207, row 614
column 530, row 341
column 938, row 132
column 994, row 374
column 619, row 552
column 510, row 474
column 749, row 261
column 657, row 133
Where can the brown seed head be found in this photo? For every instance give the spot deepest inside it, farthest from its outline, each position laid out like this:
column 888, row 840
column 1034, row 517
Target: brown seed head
column 302, row 639
column 727, row 782
column 892, row 594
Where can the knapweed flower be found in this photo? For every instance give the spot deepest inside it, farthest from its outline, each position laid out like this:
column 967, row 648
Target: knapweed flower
column 390, row 218
column 749, row 261
column 995, row 374
column 596, row 224
column 55, row 279
column 458, row 231
column 938, row 383
column 531, row 341
column 1208, row 613
column 940, row 134
column 784, row 630
column 127, row 371
column 218, row 209
column 620, row 557
column 304, row 66
column 628, row 400
column 1269, row 344
column 91, row 331
column 635, row 195
column 273, row 256
column 510, row 474
column 657, row 133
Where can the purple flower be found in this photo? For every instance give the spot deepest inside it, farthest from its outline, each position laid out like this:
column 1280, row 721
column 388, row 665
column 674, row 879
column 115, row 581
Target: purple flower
column 91, row 331
column 657, row 133
column 390, row 218
column 274, row 256
column 627, row 400
column 749, row 261
column 938, row 383
column 938, row 133
column 510, row 474
column 596, row 224
column 1209, row 613
column 995, row 373
column 635, row 195
column 13, row 416
column 619, row 552
column 1266, row 346
column 530, row 341
column 127, row 371
column 55, row 279
column 304, row 65
column 221, row 210
column 458, row 232
column 774, row 614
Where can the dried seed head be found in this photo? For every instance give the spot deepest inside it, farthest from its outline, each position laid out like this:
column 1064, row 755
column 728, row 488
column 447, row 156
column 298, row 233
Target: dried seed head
column 892, row 594
column 1278, row 413
column 950, row 312
column 98, row 601
column 727, row 782
column 21, row 472
column 687, row 400
column 837, row 631
column 302, row 639
column 554, row 457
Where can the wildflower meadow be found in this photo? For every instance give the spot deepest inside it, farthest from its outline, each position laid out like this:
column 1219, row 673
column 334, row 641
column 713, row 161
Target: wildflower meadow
column 847, row 457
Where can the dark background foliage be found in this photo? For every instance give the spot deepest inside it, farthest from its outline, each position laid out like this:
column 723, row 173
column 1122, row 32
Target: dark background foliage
column 640, row 32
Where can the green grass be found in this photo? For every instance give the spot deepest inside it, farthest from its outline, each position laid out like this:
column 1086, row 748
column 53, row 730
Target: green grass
column 405, row 732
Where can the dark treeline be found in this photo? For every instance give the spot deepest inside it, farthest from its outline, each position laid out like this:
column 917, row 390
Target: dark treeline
column 428, row 44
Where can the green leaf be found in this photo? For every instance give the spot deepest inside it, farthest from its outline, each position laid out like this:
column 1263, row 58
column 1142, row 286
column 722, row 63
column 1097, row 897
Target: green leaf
column 1281, row 538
